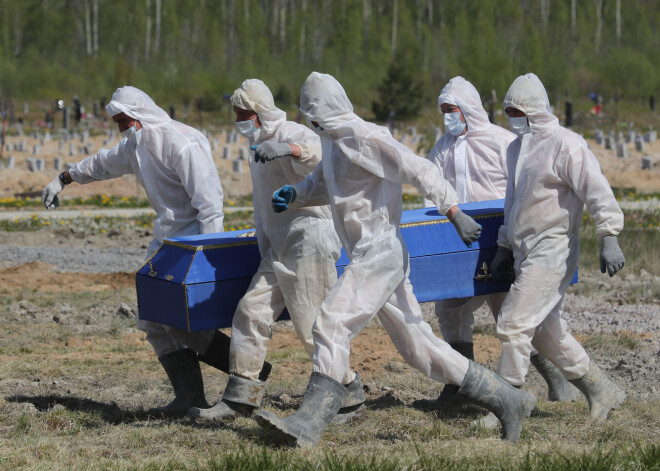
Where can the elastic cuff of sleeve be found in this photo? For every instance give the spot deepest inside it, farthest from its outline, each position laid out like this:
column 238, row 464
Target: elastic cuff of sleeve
column 306, row 153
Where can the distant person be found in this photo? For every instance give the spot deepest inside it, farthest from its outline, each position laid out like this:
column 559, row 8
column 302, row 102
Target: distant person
column 77, row 109
column 471, row 155
column 652, row 103
column 553, row 176
column 568, row 113
column 360, row 176
column 299, row 249
column 173, row 162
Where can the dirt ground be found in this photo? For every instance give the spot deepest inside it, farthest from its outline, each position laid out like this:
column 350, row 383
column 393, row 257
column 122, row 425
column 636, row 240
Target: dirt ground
column 76, row 377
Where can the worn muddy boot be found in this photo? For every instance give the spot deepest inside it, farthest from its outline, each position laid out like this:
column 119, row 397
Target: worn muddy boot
column 559, row 389
column 448, row 393
column 602, row 394
column 353, row 406
column 217, row 355
column 510, row 405
column 323, row 398
column 241, row 397
column 182, row 368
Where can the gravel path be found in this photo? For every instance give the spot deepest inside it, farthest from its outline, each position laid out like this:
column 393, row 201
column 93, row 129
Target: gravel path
column 75, row 259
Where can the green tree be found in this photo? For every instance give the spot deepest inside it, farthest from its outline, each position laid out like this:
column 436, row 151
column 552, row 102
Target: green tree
column 400, row 96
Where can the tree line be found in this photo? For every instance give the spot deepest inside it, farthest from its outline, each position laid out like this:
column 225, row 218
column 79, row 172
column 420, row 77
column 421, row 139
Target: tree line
column 184, row 50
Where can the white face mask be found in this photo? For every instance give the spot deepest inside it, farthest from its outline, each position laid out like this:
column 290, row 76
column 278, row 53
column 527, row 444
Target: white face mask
column 133, row 135
column 453, row 123
column 519, row 125
column 247, row 128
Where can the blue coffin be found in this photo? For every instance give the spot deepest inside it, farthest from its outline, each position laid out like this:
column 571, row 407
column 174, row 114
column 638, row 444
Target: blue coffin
column 195, row 282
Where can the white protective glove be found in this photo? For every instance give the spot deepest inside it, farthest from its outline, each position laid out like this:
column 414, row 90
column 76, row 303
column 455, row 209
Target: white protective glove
column 467, row 228
column 49, row 195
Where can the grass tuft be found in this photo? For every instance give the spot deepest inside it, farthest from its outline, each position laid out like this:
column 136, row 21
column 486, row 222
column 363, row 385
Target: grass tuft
column 612, row 343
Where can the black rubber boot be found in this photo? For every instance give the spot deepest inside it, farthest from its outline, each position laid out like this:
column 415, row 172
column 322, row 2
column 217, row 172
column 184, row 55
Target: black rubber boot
column 182, row 368
column 323, row 398
column 353, row 406
column 601, row 393
column 510, row 405
column 217, row 355
column 559, row 389
column 448, row 393
column 242, row 396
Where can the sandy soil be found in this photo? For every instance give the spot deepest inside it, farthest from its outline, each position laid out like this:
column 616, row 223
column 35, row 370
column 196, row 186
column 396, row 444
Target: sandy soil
column 620, row 172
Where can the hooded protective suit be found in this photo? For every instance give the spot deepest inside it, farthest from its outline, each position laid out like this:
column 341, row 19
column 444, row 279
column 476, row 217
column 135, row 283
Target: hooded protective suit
column 553, row 175
column 360, row 175
column 299, row 247
column 475, row 165
column 173, row 162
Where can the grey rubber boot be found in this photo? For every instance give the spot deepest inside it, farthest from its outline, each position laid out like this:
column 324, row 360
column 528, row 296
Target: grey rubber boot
column 217, row 355
column 601, row 393
column 448, row 393
column 241, row 397
column 182, row 368
column 559, row 389
column 510, row 405
column 353, row 406
column 323, row 398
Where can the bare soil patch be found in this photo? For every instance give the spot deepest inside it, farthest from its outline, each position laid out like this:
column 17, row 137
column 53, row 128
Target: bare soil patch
column 39, row 276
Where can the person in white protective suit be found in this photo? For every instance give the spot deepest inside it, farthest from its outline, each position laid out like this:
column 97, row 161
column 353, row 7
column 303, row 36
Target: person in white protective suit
column 298, row 250
column 553, row 175
column 173, row 162
column 471, row 156
column 360, row 175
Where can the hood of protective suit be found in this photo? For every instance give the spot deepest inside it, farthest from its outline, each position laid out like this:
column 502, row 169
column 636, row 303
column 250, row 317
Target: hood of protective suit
column 138, row 105
column 323, row 99
column 459, row 92
column 528, row 94
column 255, row 96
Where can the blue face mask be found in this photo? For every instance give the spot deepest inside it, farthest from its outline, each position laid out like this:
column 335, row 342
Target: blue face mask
column 133, row 135
column 519, row 125
column 453, row 123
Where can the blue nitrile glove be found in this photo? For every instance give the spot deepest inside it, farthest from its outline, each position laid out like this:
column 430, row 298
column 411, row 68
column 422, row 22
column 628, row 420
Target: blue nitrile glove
column 271, row 150
column 282, row 198
column 254, row 148
column 611, row 256
column 466, row 227
column 501, row 268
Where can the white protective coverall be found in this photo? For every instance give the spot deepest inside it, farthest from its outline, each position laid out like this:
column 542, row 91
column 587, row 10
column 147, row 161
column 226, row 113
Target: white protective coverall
column 299, row 247
column 173, row 162
column 360, row 175
column 475, row 165
column 553, row 175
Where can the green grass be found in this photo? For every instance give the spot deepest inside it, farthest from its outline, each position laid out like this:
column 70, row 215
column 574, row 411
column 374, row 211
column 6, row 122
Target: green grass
column 639, row 241
column 638, row 458
column 91, row 225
